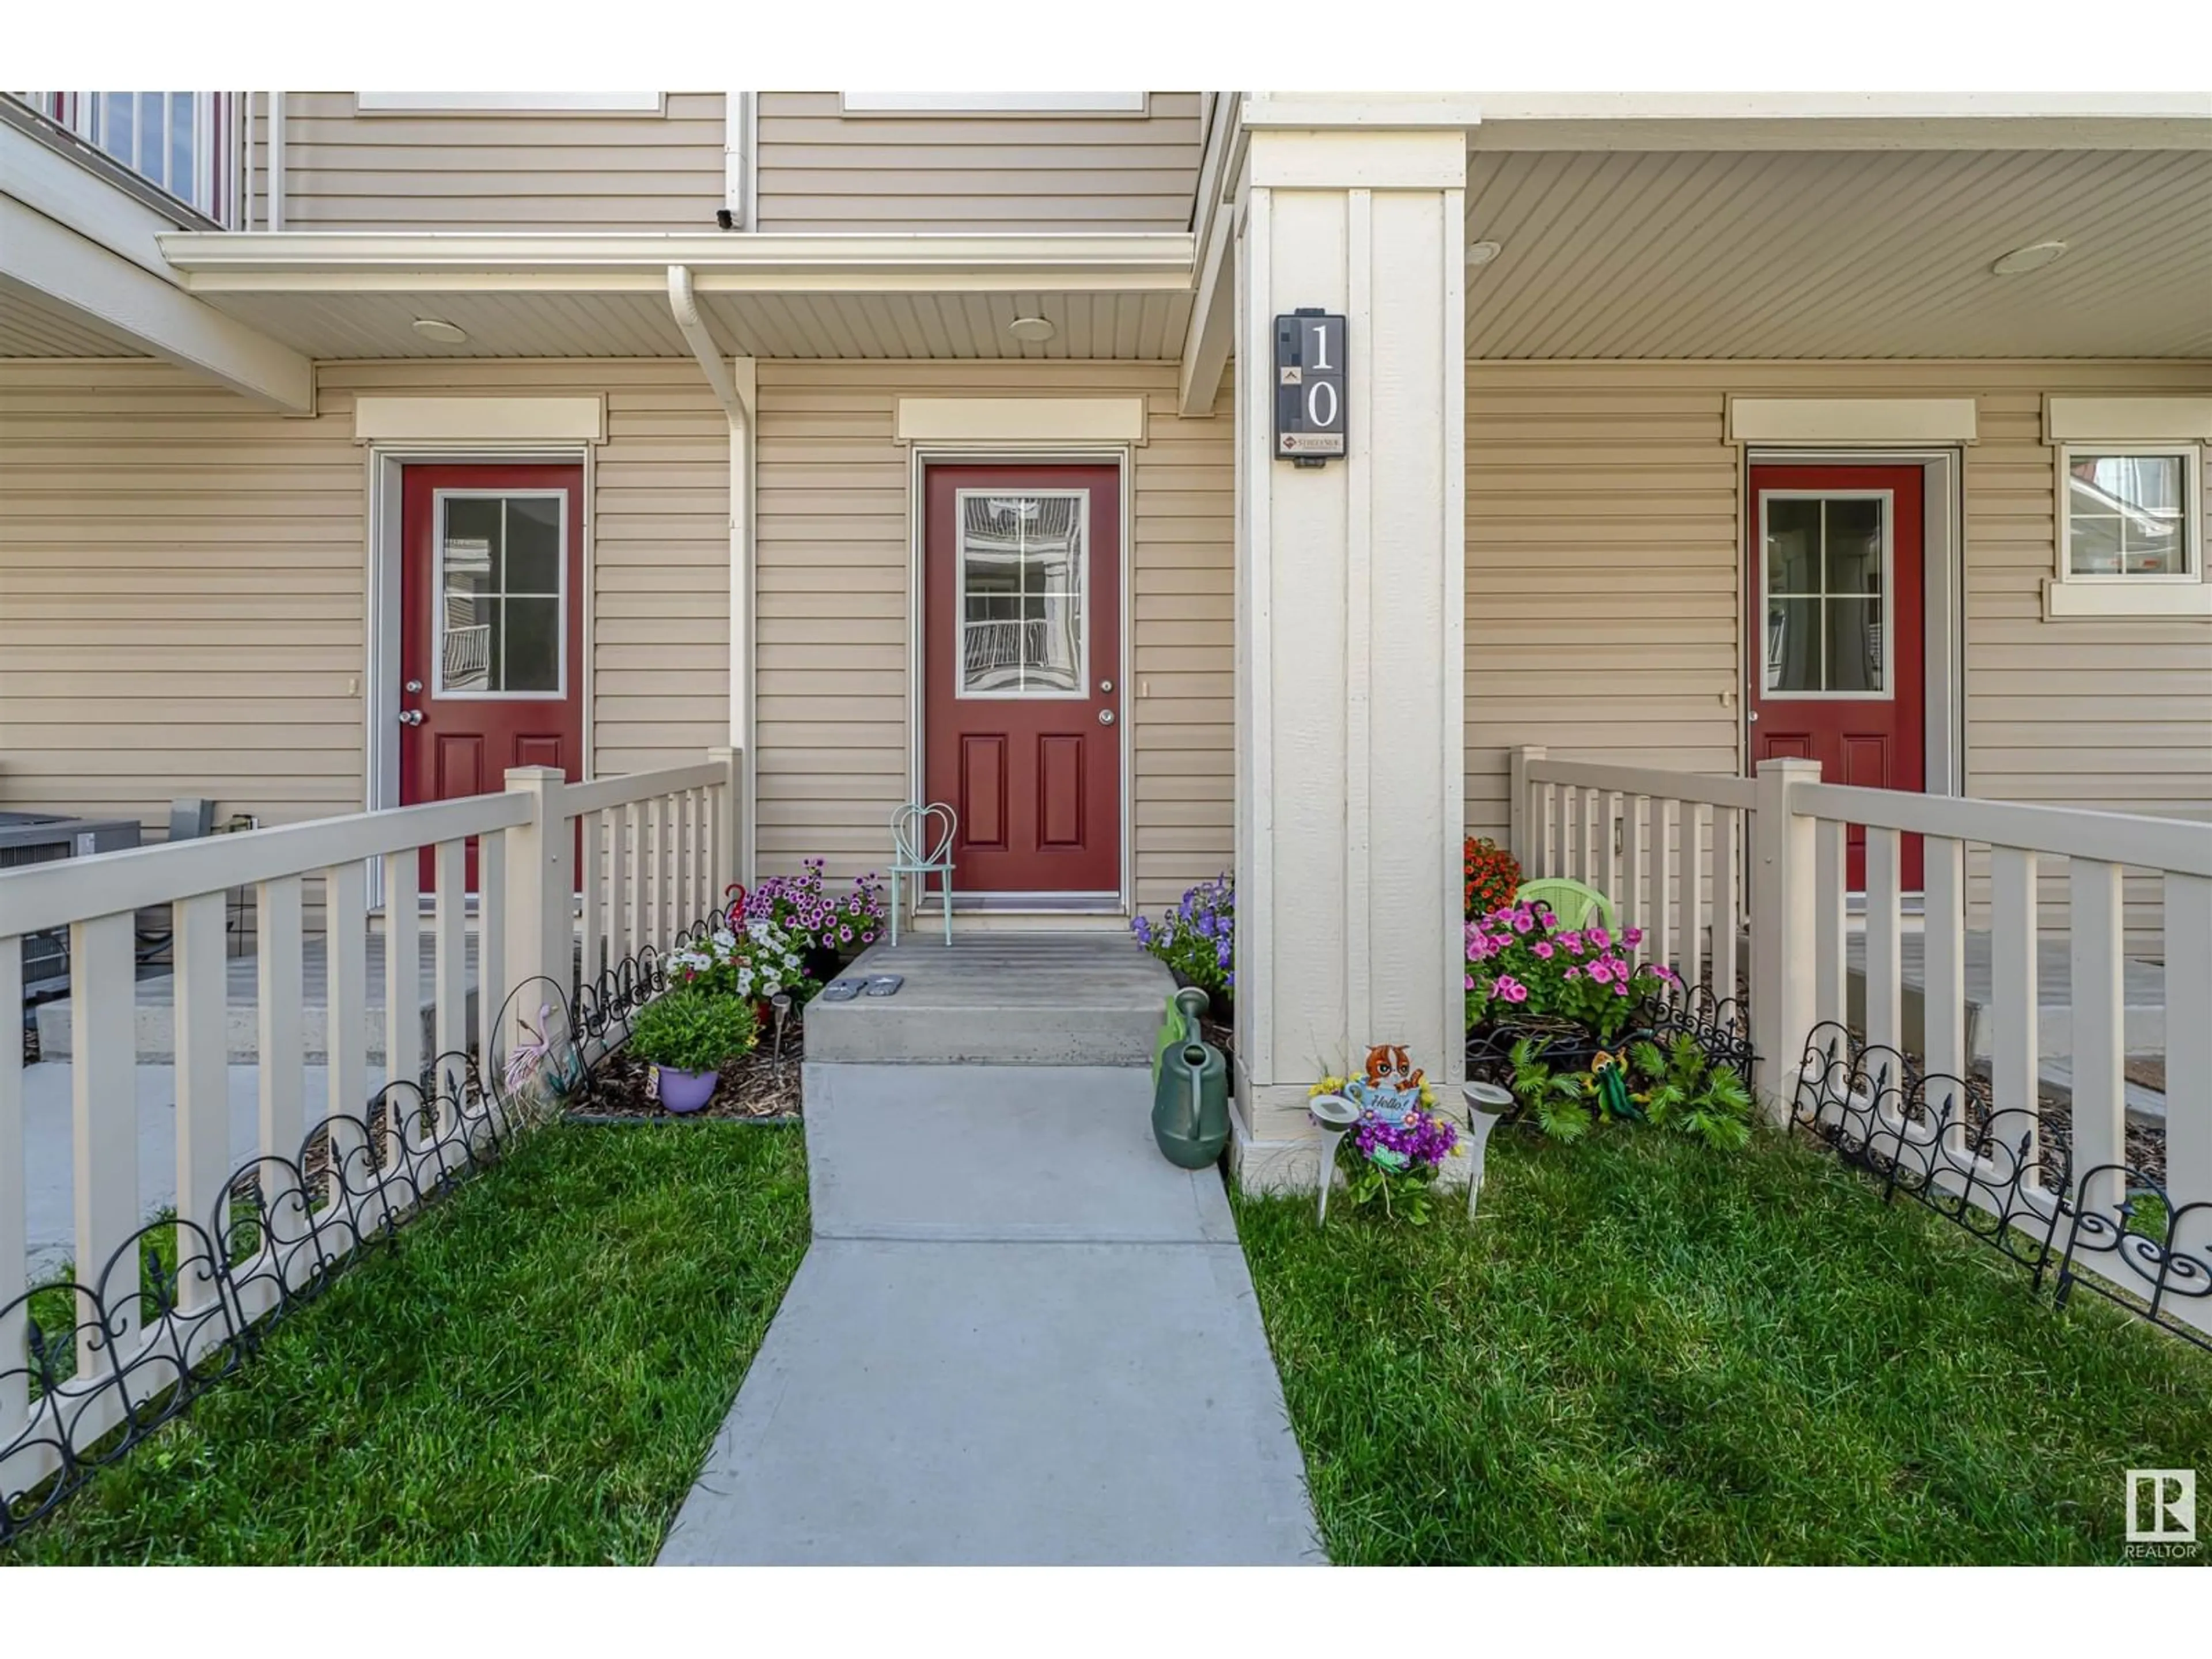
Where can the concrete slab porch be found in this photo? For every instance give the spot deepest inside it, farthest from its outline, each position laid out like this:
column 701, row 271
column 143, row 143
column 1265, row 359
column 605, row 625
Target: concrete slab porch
column 1007, row 999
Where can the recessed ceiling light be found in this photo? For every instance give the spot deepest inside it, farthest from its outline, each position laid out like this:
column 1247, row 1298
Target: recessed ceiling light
column 2034, row 257
column 1482, row 254
column 1033, row 329
column 436, row 328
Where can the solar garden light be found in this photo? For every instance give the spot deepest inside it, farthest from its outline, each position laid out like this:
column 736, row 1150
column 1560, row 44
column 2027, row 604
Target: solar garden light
column 780, row 1002
column 1335, row 1114
column 1486, row 1103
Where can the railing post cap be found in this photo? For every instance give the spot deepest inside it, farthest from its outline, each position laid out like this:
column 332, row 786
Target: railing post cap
column 1791, row 766
column 530, row 777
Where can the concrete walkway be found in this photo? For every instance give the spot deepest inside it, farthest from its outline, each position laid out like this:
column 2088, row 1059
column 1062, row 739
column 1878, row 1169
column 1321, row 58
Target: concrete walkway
column 1021, row 1337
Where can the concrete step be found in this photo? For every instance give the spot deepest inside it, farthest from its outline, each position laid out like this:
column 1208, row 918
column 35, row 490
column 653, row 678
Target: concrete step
column 1000, row 999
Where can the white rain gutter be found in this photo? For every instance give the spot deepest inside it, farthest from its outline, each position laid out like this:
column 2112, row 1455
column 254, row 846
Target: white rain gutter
column 735, row 389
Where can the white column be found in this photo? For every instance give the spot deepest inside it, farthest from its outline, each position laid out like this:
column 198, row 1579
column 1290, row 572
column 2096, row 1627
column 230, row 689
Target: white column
column 1351, row 613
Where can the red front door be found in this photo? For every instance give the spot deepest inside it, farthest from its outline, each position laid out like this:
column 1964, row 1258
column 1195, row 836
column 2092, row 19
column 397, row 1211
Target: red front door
column 1837, row 657
column 1021, row 675
column 491, row 629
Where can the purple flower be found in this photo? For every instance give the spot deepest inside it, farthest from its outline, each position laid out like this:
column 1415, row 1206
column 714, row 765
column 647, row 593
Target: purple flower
column 1543, row 949
column 1599, row 937
column 1632, row 936
column 1509, row 988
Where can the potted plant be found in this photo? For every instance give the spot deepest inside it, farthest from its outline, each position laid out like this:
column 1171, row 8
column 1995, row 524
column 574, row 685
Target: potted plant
column 1576, row 990
column 829, row 928
column 688, row 1034
column 1197, row 940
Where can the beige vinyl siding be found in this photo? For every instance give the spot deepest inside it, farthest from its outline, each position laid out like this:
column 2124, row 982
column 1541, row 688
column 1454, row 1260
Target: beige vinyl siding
column 821, row 169
column 833, row 733
column 183, row 581
column 1603, row 585
column 347, row 171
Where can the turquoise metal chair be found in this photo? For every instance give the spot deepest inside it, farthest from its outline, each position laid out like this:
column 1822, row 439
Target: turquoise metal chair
column 921, row 846
column 1572, row 903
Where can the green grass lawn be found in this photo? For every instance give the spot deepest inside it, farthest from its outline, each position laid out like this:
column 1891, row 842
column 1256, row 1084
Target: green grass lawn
column 533, row 1375
column 1645, row 1351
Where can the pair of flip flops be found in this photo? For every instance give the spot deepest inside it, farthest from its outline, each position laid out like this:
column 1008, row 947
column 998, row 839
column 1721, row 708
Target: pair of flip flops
column 876, row 985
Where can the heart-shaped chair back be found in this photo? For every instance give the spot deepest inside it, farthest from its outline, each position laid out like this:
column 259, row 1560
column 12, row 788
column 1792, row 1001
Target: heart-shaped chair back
column 924, row 835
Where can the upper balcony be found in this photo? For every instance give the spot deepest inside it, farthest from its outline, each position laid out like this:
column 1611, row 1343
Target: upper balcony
column 180, row 152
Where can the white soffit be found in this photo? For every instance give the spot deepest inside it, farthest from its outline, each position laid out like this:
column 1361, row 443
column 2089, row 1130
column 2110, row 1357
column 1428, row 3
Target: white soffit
column 1021, row 420
column 1768, row 255
column 2143, row 420
column 480, row 420
column 1122, row 327
column 1851, row 420
column 28, row 329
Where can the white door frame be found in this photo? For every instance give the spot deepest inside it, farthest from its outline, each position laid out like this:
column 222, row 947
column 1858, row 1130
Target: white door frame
column 1121, row 457
column 381, row 680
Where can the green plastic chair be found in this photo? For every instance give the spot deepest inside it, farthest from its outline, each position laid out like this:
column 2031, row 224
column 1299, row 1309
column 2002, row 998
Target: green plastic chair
column 1571, row 903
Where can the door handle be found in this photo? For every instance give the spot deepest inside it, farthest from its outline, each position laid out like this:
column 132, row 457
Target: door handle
column 410, row 717
column 1105, row 717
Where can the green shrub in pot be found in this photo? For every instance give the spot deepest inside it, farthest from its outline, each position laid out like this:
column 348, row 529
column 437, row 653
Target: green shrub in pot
column 693, row 1031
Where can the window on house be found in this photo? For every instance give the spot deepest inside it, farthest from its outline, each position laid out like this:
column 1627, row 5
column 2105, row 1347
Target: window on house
column 2130, row 512
column 508, row 103
column 994, row 103
column 184, row 143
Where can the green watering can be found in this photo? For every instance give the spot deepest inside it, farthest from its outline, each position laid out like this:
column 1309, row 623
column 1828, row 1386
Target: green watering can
column 1190, row 1087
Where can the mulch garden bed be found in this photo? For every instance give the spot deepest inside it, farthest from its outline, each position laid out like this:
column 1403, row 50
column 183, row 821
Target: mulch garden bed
column 763, row 1087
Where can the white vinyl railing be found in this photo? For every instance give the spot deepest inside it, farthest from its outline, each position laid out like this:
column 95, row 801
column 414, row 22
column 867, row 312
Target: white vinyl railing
column 659, row 849
column 1665, row 846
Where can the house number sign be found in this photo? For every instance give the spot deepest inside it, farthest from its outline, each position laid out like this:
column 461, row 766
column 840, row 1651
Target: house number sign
column 1310, row 387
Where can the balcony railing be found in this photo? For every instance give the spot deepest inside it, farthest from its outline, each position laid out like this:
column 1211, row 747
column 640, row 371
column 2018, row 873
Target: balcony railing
column 185, row 144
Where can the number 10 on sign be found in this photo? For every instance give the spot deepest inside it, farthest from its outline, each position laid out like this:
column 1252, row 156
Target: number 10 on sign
column 1309, row 366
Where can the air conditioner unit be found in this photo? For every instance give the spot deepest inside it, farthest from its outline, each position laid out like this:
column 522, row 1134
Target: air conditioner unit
column 28, row 838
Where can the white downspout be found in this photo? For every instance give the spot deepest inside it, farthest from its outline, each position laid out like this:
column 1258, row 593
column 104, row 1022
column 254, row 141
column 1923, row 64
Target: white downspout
column 735, row 389
column 274, row 206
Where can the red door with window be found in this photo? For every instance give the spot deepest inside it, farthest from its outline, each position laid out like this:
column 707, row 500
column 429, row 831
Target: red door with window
column 1837, row 656
column 1021, row 668
column 491, row 629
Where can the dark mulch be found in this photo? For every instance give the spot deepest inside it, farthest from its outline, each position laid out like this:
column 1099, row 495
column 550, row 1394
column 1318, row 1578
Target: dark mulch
column 763, row 1084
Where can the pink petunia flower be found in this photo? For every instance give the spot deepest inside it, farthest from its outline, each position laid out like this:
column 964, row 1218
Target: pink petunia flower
column 1632, row 936
column 1574, row 973
column 1621, row 990
column 1470, row 982
column 1544, row 949
column 1599, row 937
column 1573, row 941
column 1523, row 922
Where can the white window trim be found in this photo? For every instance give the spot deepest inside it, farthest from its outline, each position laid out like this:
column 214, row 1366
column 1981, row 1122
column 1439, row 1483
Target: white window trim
column 960, row 692
column 1888, row 499
column 438, row 688
column 510, row 103
column 2186, row 593
column 996, row 103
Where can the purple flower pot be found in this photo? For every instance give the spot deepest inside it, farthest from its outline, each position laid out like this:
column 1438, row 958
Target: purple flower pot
column 685, row 1092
